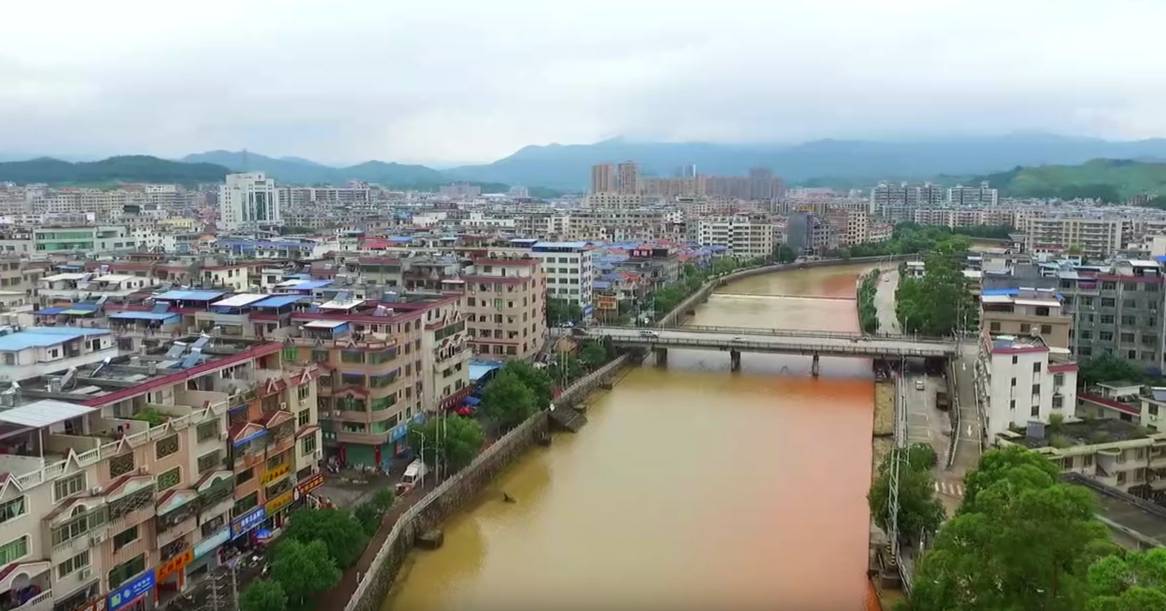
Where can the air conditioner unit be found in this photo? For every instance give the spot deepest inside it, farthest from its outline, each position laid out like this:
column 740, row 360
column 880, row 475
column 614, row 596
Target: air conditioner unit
column 84, row 573
column 283, row 405
column 319, row 454
column 143, row 470
column 97, row 538
column 95, row 491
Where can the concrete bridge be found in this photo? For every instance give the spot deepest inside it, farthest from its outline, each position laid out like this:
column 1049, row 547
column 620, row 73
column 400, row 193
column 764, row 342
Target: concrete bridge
column 736, row 340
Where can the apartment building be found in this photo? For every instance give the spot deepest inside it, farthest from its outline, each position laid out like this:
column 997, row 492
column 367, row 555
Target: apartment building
column 612, row 201
column 851, row 225
column 128, row 477
column 37, row 350
column 898, row 203
column 1026, row 312
column 1025, row 381
column 1095, row 238
column 603, row 178
column 627, row 178
column 248, row 200
column 1117, row 309
column 981, row 196
column 505, row 306
column 743, row 236
column 568, row 269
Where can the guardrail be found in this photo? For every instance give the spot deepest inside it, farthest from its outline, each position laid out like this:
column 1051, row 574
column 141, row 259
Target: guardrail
column 856, row 349
column 954, row 408
column 922, row 339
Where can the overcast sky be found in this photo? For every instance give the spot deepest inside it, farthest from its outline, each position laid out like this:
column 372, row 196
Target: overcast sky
column 445, row 81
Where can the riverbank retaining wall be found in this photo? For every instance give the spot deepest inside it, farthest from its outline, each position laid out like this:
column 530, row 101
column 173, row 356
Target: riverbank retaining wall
column 672, row 318
column 455, row 492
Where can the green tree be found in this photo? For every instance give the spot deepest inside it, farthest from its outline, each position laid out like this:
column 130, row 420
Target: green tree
column 507, row 401
column 341, row 534
column 919, row 510
column 1108, row 367
column 265, row 595
column 537, row 380
column 1022, row 540
column 303, row 569
column 564, row 369
column 784, row 254
column 560, row 311
column 461, row 440
column 592, row 354
column 1128, row 581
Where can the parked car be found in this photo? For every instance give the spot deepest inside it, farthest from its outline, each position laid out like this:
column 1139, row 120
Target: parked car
column 920, row 384
column 649, row 333
column 414, row 473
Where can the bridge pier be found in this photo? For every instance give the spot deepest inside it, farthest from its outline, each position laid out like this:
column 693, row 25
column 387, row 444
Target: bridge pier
column 815, row 367
column 734, row 360
column 661, row 356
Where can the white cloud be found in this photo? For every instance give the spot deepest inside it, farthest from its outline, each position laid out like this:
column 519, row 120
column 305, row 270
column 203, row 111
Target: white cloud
column 464, row 80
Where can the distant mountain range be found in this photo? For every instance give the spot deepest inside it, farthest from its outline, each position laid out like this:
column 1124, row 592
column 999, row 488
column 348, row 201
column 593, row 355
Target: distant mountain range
column 1111, row 180
column 552, row 168
column 133, row 168
column 821, row 162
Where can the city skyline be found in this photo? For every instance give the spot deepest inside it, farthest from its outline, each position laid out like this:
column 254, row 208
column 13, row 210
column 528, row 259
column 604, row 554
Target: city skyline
column 250, row 77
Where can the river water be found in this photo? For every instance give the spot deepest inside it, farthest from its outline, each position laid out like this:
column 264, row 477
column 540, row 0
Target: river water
column 690, row 488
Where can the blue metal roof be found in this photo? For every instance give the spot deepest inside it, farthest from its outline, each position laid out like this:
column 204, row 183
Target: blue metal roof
column 1005, row 291
column 190, row 295
column 539, row 245
column 39, row 337
column 309, row 284
column 278, row 301
column 50, row 311
column 143, row 315
column 478, row 370
column 471, row 400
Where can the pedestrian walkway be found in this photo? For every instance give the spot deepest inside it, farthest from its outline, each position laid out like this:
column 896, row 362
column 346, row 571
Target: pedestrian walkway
column 954, row 489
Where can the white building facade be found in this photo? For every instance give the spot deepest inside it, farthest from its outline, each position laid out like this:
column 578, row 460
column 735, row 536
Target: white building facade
column 1023, row 384
column 248, row 201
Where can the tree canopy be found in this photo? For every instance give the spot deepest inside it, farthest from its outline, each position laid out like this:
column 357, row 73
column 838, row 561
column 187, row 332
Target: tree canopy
column 919, row 511
column 938, row 303
column 341, row 534
column 507, row 401
column 1108, row 367
column 537, row 380
column 563, row 310
column 263, row 595
column 1021, row 540
column 303, row 569
column 1133, row 581
column 459, row 445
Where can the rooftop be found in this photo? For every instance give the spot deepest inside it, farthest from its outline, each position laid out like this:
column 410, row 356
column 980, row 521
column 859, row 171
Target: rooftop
column 40, row 337
column 1084, row 433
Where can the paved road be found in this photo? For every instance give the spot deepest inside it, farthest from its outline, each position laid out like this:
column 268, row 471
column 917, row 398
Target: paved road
column 796, row 342
column 968, row 451
column 885, row 300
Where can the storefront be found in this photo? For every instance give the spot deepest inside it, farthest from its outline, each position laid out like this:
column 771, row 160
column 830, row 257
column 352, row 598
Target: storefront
column 205, row 559
column 133, row 595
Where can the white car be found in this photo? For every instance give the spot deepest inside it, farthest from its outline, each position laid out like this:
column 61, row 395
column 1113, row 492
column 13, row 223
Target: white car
column 919, row 384
column 649, row 333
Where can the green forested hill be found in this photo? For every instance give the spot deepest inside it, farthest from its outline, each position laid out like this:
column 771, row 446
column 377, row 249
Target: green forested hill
column 1111, row 180
column 132, row 168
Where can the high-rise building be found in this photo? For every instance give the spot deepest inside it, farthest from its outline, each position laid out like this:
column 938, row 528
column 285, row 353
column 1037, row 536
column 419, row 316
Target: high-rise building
column 762, row 184
column 248, row 201
column 505, row 303
column 628, row 178
column 981, row 196
column 603, row 178
column 743, row 236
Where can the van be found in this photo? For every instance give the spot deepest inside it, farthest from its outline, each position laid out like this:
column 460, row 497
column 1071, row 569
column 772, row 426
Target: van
column 414, row 475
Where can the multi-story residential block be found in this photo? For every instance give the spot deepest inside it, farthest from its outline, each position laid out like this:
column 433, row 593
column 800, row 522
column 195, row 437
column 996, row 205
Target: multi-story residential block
column 1117, row 309
column 568, row 269
column 37, row 350
column 627, row 178
column 604, row 178
column 743, row 236
column 607, row 200
column 851, row 225
column 981, row 196
column 1024, row 382
column 1026, row 312
column 249, row 200
column 1095, row 238
column 126, row 478
column 506, row 308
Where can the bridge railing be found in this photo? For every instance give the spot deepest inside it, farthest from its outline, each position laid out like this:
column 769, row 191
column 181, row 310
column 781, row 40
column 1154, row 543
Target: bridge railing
column 855, row 348
column 744, row 331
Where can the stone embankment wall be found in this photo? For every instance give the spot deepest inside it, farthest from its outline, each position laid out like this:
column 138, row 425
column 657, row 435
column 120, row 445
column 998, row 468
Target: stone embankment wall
column 455, row 492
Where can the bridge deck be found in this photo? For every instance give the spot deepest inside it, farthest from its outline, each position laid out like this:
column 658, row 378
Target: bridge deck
column 829, row 343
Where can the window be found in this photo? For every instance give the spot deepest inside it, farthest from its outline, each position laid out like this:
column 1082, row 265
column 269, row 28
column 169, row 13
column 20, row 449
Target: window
column 1012, row 405
column 1059, row 379
column 1014, row 359
column 169, row 479
column 245, row 476
column 120, row 465
column 351, row 356
column 122, row 572
column 75, row 563
column 1013, row 379
column 166, row 447
column 1024, row 327
column 1035, row 412
column 303, row 391
column 12, row 509
column 68, row 486
column 308, row 444
column 1036, row 389
column 1046, row 329
column 290, row 353
column 125, row 537
column 303, row 417
column 1036, row 367
column 319, row 356
column 994, row 327
column 1058, row 402
column 14, row 550
column 208, row 430
column 1107, row 302
column 208, row 461
column 1087, row 460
